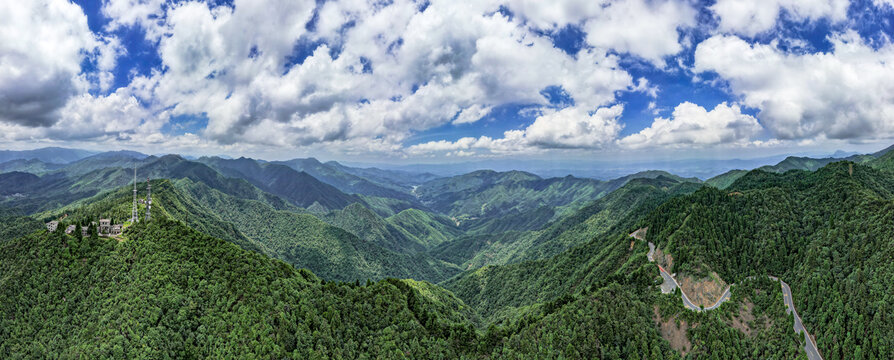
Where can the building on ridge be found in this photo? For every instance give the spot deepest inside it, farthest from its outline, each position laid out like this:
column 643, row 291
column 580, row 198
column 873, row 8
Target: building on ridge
column 105, row 225
column 52, row 225
column 70, row 229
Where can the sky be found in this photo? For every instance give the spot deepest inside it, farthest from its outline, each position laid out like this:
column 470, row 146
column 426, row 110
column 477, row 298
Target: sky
column 447, row 81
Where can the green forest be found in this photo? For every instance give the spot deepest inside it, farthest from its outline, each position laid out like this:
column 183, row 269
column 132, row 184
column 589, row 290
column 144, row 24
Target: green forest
column 227, row 269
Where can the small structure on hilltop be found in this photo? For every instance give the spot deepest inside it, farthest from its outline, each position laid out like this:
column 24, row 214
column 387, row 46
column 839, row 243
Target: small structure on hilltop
column 70, row 229
column 52, row 225
column 85, row 230
column 116, row 230
column 105, row 225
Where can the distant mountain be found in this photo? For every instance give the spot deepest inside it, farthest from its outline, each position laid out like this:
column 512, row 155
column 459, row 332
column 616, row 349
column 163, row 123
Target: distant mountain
column 336, row 175
column 300, row 188
column 724, row 180
column 33, row 166
column 77, row 181
column 596, row 219
column 400, row 179
column 53, row 155
column 480, row 195
column 110, row 159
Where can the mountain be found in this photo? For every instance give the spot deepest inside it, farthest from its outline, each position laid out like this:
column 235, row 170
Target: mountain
column 334, row 174
column 60, row 188
column 300, row 188
column 371, row 227
column 884, row 161
column 32, row 166
column 601, row 218
column 397, row 179
column 424, row 228
column 476, row 199
column 53, row 155
column 828, row 233
column 726, row 179
column 164, row 290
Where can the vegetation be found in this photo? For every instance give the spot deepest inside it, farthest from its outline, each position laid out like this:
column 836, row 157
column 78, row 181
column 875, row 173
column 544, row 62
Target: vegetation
column 828, row 233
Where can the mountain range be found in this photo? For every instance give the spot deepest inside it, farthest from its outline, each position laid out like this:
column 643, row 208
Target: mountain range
column 302, row 258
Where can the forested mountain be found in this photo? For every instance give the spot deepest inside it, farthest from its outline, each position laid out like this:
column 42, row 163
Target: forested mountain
column 32, row 166
column 398, row 179
column 346, row 181
column 410, row 231
column 594, row 220
column 724, row 180
column 829, row 233
column 475, row 199
column 300, row 188
column 164, row 290
column 546, row 262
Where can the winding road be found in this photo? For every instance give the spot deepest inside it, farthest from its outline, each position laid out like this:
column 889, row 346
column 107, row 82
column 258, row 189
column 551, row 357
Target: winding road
column 670, row 284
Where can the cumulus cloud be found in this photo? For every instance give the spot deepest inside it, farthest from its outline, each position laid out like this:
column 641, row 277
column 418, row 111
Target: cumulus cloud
column 42, row 46
column 753, row 17
column 644, row 28
column 692, row 125
column 847, row 93
column 372, row 71
column 569, row 128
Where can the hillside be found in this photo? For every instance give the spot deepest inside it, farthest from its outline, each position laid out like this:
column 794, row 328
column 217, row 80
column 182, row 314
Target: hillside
column 32, row 166
column 477, row 198
column 346, row 181
column 150, row 296
column 828, row 233
column 299, row 188
column 594, row 220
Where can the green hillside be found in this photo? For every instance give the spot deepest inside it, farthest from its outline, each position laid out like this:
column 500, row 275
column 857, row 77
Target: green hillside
column 424, row 228
column 299, row 188
column 598, row 218
column 828, row 233
column 168, row 292
column 307, row 242
column 726, row 179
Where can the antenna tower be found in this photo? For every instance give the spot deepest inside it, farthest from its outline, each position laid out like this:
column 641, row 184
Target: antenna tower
column 134, row 217
column 148, row 198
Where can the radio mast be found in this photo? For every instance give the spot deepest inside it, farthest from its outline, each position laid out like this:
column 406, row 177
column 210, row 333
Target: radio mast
column 134, row 217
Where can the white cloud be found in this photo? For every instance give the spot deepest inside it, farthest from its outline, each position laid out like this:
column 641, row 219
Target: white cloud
column 42, row 46
column 472, row 114
column 750, row 17
column 569, row 128
column 452, row 62
column 692, row 125
column 647, row 29
column 847, row 93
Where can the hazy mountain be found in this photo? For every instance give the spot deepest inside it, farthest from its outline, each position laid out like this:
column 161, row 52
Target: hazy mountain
column 33, row 166
column 53, row 155
column 336, row 175
column 300, row 188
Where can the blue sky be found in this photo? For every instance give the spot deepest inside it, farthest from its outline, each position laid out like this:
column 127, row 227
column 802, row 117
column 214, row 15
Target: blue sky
column 431, row 81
